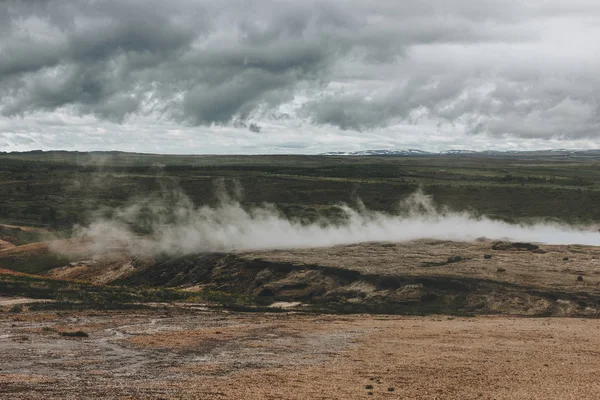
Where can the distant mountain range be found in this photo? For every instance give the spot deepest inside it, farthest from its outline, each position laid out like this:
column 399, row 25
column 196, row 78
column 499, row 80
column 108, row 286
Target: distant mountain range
column 408, row 152
column 594, row 153
column 421, row 153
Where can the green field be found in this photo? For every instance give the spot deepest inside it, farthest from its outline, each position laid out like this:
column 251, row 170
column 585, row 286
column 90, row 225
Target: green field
column 60, row 189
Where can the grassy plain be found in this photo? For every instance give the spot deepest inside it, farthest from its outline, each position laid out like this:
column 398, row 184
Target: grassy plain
column 60, row 189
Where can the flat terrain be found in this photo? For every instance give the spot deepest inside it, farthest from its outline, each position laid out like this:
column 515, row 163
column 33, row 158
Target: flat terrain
column 59, row 189
column 215, row 355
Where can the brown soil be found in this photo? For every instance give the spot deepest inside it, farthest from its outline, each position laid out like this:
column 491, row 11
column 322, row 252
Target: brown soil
column 11, row 301
column 5, row 245
column 24, row 228
column 548, row 267
column 27, row 249
column 10, row 272
column 99, row 271
column 420, row 277
column 545, row 267
column 176, row 355
column 78, row 261
column 180, row 352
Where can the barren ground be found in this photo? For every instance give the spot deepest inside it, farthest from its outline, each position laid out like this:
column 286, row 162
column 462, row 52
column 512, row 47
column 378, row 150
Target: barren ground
column 188, row 351
column 216, row 355
column 550, row 266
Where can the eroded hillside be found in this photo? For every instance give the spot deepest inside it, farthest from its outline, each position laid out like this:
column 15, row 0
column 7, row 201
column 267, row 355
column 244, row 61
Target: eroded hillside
column 418, row 277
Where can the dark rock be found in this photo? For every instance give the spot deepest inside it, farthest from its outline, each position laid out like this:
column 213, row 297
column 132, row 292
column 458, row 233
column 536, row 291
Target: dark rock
column 500, row 270
column 75, row 334
column 266, row 292
column 429, row 297
column 264, row 276
column 517, row 246
column 390, row 389
column 580, row 278
column 566, row 259
column 368, row 387
column 487, row 256
column 501, row 246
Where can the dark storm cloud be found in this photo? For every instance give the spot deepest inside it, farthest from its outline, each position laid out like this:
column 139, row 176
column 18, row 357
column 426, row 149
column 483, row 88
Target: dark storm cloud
column 355, row 112
column 218, row 61
column 493, row 67
column 539, row 109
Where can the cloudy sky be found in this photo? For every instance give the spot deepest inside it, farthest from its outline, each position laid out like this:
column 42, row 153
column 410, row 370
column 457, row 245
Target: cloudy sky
column 268, row 76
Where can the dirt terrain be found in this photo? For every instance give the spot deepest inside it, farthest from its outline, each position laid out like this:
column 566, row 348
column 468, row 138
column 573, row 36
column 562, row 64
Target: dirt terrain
column 5, row 245
column 171, row 354
column 418, row 277
column 544, row 266
column 446, row 320
column 9, row 301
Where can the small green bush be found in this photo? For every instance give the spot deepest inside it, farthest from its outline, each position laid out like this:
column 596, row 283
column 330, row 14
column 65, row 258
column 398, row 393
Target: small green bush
column 17, row 308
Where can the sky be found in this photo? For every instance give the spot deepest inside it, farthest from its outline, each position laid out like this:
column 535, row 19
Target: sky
column 266, row 76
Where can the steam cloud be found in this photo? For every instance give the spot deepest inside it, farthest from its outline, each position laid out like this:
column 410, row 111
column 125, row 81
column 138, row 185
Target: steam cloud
column 182, row 228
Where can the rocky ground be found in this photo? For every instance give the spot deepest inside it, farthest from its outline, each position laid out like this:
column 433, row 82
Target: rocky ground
column 168, row 353
column 462, row 327
column 418, row 277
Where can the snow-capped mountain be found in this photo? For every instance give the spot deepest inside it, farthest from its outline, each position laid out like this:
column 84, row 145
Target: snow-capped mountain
column 457, row 152
column 407, row 152
column 417, row 152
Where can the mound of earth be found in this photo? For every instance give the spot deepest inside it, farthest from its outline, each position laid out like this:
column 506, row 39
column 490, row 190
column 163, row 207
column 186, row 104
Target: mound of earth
column 419, row 277
column 517, row 246
column 5, row 245
column 19, row 235
column 4, row 271
column 404, row 278
column 18, row 228
column 72, row 259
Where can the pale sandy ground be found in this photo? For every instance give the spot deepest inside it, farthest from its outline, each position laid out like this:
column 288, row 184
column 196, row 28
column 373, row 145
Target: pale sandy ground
column 11, row 301
column 24, row 228
column 168, row 354
column 5, row 245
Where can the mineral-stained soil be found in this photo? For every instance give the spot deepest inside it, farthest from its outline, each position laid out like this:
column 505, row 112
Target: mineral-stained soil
column 418, row 277
column 542, row 266
column 472, row 336
column 171, row 353
column 5, row 245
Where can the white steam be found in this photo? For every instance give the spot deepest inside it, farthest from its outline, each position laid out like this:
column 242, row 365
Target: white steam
column 182, row 228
